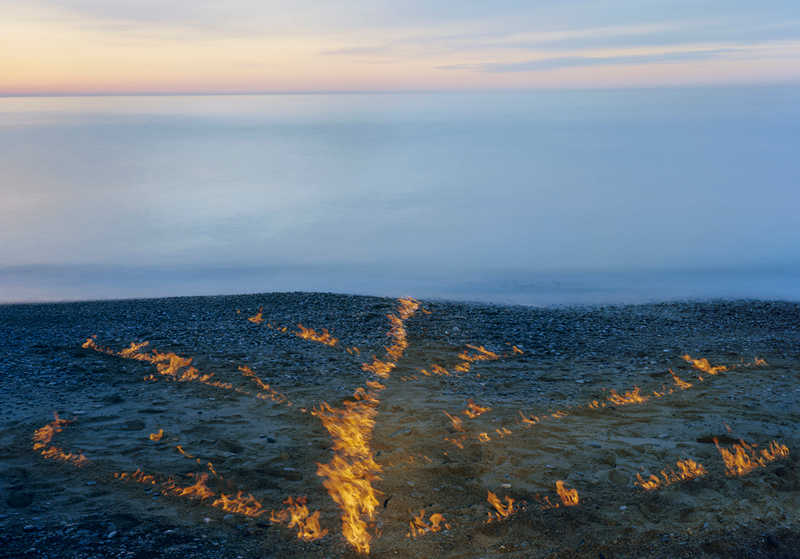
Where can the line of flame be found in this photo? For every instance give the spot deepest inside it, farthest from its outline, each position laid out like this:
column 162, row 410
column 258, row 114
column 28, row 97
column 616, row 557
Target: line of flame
column 689, row 469
column 43, row 437
column 349, row 475
column 745, row 458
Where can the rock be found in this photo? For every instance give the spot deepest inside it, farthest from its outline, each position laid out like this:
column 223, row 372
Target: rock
column 19, row 500
column 132, row 425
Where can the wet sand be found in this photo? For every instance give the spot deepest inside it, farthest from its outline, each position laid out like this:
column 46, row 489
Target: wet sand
column 551, row 416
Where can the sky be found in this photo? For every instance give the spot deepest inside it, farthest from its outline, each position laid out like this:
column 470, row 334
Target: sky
column 265, row 46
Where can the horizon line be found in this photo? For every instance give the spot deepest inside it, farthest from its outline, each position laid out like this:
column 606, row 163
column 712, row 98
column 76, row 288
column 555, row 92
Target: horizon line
column 743, row 85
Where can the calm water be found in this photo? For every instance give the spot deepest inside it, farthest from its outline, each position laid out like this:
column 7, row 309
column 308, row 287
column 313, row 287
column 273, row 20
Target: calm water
column 530, row 198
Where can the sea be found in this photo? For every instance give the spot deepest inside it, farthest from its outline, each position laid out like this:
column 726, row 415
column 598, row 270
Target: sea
column 576, row 197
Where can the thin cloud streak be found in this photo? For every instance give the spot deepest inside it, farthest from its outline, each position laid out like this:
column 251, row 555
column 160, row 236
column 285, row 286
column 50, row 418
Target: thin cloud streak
column 555, row 63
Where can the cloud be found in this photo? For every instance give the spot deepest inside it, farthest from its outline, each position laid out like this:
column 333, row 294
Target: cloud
column 558, row 62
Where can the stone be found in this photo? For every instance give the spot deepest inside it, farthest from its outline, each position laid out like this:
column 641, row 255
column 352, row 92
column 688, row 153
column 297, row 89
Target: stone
column 19, row 500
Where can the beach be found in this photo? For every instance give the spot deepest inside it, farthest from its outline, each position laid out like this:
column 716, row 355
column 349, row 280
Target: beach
column 475, row 400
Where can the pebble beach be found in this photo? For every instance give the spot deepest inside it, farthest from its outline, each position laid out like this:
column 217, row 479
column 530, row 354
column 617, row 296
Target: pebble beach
column 539, row 426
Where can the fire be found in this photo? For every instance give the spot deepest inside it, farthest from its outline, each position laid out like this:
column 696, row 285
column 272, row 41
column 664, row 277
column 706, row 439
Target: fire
column 745, row 459
column 568, row 496
column 474, row 410
column 681, row 384
column 42, row 438
column 157, row 436
column 257, row 319
column 689, row 469
column 274, row 395
column 458, row 425
column 138, row 476
column 349, row 475
column 245, row 505
column 196, row 491
column 503, row 511
column 308, row 526
column 630, row 397
column 419, row 526
column 704, row 365
column 309, row 334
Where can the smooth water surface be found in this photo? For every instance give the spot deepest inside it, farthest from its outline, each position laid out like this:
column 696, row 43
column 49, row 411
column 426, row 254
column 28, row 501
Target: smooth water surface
column 531, row 198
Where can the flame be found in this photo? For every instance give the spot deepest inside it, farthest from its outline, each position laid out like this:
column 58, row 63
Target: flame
column 309, row 334
column 245, row 505
column 186, row 454
column 257, row 319
column 308, row 526
column 474, row 410
column 568, row 497
column 689, row 469
column 458, row 425
column 272, row 394
column 419, row 526
column 745, row 459
column 196, row 491
column 43, row 436
column 482, row 354
column 349, row 475
column 704, row 365
column 630, row 397
column 681, row 384
column 157, row 436
column 503, row 511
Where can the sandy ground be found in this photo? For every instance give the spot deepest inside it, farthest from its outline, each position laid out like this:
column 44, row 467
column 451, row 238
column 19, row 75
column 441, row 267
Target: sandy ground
column 541, row 427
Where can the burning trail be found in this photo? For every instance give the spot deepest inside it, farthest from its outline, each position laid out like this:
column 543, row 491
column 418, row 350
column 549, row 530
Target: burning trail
column 349, row 475
column 744, row 458
column 688, row 469
column 43, row 437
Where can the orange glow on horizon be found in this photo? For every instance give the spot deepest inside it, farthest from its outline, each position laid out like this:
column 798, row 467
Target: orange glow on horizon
column 49, row 51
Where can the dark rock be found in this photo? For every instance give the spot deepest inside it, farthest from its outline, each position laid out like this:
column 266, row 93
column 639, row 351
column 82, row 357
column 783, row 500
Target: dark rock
column 771, row 542
column 19, row 500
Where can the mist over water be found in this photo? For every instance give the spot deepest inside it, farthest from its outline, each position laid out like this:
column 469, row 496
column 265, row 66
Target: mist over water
column 528, row 198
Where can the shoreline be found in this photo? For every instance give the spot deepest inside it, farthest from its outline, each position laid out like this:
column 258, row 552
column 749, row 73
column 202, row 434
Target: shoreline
column 571, row 356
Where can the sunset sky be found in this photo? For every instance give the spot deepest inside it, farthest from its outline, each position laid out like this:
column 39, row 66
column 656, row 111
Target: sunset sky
column 210, row 46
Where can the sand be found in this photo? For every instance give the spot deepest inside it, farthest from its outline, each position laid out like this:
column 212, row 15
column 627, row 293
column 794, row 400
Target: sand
column 549, row 417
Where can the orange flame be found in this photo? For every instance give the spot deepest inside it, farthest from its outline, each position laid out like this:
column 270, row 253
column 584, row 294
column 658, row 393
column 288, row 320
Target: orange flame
column 247, row 506
column 257, row 319
column 419, row 526
column 568, row 497
column 630, row 397
column 745, row 459
column 349, row 475
column 157, row 436
column 308, row 526
column 272, row 394
column 474, row 410
column 196, row 491
column 43, row 436
column 458, row 425
column 681, row 384
column 689, row 469
column 310, row 334
column 503, row 511
column 704, row 365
